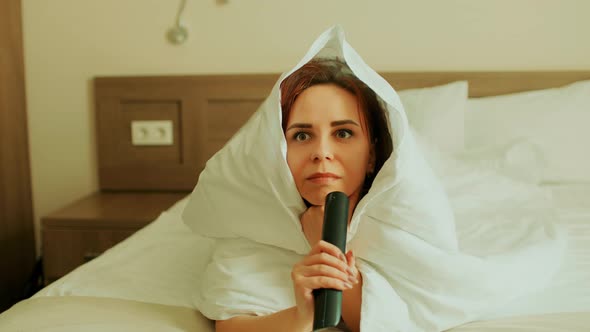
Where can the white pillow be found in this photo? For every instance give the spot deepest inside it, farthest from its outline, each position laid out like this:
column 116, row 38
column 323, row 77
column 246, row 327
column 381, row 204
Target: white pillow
column 519, row 159
column 437, row 113
column 554, row 120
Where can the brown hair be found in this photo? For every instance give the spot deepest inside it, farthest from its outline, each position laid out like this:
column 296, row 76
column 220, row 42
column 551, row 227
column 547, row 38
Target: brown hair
column 334, row 71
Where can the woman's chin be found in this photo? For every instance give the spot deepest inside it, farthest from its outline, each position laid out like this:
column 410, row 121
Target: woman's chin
column 317, row 198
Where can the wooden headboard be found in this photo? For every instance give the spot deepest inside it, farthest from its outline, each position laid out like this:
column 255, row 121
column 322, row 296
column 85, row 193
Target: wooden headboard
column 206, row 110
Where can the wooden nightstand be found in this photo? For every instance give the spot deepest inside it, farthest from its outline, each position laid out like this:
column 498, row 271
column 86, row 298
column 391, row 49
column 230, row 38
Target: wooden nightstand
column 86, row 228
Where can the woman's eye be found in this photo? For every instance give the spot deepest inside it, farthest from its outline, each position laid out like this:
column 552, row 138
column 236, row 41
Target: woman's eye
column 301, row 136
column 344, row 133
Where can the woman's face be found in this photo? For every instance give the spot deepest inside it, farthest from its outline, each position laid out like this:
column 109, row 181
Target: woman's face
column 328, row 148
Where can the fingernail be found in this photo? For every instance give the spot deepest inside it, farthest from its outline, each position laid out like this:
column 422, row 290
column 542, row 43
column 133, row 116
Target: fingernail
column 348, row 285
column 353, row 280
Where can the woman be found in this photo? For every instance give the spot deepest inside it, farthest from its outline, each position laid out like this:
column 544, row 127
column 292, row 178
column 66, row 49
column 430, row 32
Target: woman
column 260, row 197
column 337, row 140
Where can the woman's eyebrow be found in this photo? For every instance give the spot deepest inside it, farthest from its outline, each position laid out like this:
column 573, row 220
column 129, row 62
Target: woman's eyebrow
column 343, row 122
column 299, row 125
column 333, row 124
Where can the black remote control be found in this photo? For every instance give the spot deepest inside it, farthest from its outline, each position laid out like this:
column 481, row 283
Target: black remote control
column 328, row 302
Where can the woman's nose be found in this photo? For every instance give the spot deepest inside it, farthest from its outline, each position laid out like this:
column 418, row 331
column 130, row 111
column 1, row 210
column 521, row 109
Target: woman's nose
column 322, row 151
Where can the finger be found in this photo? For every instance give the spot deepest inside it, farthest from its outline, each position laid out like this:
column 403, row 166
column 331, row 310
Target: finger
column 350, row 260
column 324, row 258
column 324, row 270
column 329, row 248
column 318, row 282
column 354, row 273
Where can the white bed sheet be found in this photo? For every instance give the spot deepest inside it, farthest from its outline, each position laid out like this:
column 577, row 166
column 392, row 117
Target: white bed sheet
column 94, row 314
column 569, row 290
column 562, row 322
column 162, row 262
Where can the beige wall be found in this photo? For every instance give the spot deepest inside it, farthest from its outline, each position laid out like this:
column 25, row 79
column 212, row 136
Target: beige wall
column 67, row 42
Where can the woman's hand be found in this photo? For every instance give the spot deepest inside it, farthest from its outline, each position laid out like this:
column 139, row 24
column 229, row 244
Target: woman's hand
column 324, row 267
column 312, row 222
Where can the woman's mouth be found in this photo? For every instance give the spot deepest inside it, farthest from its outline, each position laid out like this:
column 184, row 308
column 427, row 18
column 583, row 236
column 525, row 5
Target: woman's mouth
column 323, row 178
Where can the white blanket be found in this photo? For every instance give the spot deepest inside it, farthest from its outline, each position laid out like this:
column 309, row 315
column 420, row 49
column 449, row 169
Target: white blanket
column 418, row 271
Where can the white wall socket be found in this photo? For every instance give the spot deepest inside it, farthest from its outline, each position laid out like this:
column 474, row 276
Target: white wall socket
column 151, row 132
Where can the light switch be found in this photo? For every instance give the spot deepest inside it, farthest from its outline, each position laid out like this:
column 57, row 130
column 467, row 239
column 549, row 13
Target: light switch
column 152, row 132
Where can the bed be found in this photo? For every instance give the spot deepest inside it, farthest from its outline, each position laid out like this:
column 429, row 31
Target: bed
column 147, row 282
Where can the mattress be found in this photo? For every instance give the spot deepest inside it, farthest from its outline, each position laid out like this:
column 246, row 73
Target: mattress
column 90, row 314
column 152, row 276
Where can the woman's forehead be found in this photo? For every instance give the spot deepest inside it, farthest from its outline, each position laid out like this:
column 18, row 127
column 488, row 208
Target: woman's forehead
column 325, row 102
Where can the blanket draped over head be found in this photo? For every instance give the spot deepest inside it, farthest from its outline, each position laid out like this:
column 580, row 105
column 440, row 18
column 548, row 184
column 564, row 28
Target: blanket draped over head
column 416, row 275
